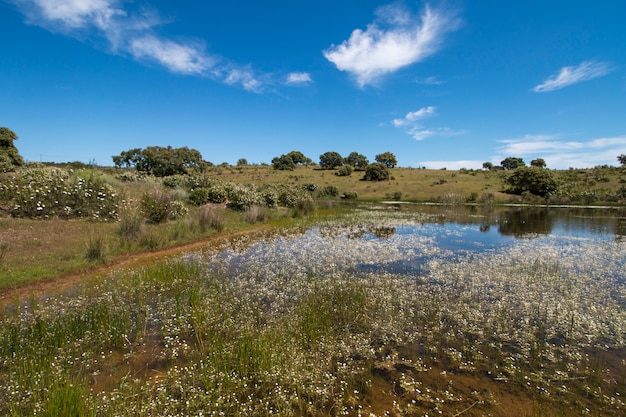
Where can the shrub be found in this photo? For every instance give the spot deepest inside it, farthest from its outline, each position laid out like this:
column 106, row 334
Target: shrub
column 344, row 171
column 244, row 197
column 350, row 195
column 199, row 196
column 174, row 181
column 158, row 207
column 42, row 192
column 377, row 172
column 330, row 191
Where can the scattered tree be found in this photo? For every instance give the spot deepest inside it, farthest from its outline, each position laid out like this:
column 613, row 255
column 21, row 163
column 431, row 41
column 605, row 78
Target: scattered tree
column 511, row 163
column 283, row 163
column 534, row 180
column 488, row 166
column 622, row 159
column 160, row 161
column 539, row 163
column 377, row 172
column 242, row 162
column 388, row 159
column 9, row 156
column 331, row 160
column 357, row 161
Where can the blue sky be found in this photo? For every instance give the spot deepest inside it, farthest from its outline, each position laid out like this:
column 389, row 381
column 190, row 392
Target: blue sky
column 440, row 84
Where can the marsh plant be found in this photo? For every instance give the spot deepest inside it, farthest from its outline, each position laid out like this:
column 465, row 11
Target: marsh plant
column 306, row 323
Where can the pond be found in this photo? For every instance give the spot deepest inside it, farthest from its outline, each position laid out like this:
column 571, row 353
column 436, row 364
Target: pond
column 402, row 238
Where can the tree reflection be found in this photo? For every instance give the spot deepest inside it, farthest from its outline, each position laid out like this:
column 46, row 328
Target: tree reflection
column 526, row 221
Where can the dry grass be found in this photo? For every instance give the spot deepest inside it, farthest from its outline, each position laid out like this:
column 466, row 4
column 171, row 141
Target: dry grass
column 414, row 184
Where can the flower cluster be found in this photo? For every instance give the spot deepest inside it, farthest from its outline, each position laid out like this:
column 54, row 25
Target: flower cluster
column 41, row 192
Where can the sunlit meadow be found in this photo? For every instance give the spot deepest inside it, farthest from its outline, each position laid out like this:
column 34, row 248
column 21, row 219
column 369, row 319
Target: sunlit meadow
column 312, row 322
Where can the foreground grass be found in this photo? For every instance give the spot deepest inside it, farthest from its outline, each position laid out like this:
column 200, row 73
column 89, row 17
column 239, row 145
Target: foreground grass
column 293, row 328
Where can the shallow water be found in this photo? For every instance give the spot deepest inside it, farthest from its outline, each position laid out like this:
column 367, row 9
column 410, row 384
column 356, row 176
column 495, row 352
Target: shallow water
column 404, row 239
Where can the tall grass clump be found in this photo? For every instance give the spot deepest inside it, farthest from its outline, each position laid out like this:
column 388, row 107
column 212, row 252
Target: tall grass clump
column 130, row 224
column 210, row 218
column 4, row 248
column 96, row 249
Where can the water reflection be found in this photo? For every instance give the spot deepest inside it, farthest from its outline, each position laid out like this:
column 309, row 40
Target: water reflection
column 527, row 222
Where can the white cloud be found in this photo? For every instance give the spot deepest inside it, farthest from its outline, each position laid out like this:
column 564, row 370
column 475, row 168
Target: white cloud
column 560, row 153
column 411, row 124
column 572, row 75
column 71, row 13
column 131, row 33
column 298, row 78
column 176, row 57
column 395, row 40
column 413, row 117
column 421, row 113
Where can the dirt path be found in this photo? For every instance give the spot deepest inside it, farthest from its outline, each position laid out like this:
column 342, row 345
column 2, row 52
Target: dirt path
column 124, row 261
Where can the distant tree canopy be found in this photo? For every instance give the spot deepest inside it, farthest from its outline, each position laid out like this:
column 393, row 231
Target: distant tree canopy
column 289, row 161
column 9, row 156
column 539, row 163
column 533, row 179
column 488, row 166
column 160, row 161
column 388, row 159
column 357, row 161
column 622, row 159
column 331, row 160
column 299, row 158
column 512, row 163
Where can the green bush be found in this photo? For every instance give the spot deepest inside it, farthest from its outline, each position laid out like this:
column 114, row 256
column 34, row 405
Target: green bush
column 199, row 196
column 535, row 180
column 330, row 191
column 159, row 207
column 344, row 171
column 377, row 172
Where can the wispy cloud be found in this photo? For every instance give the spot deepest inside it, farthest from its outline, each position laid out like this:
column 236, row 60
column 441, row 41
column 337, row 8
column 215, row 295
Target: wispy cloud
column 393, row 41
column 562, row 153
column 176, row 57
column 412, row 124
column 414, row 116
column 132, row 32
column 432, row 80
column 574, row 74
column 298, row 78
